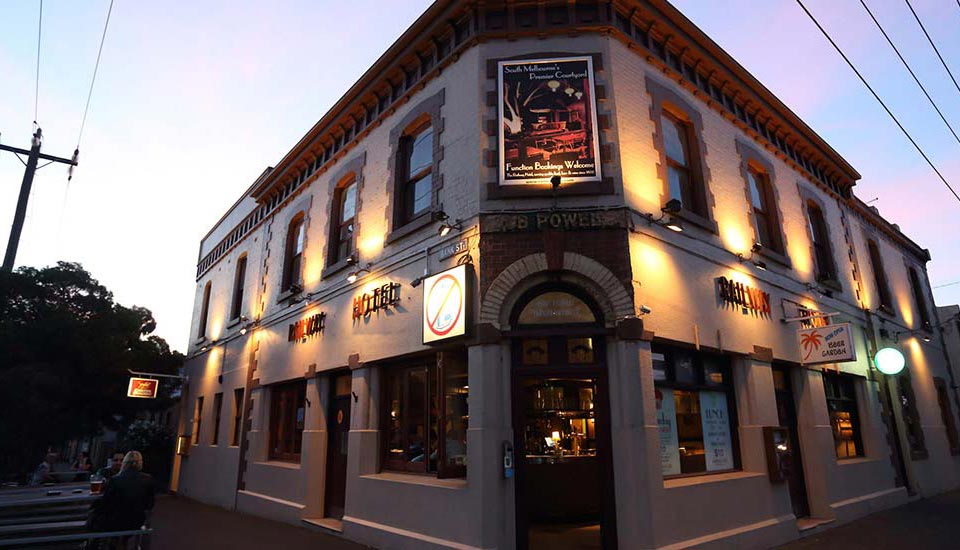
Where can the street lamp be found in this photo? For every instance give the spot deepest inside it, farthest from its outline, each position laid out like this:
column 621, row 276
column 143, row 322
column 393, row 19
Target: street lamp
column 889, row 361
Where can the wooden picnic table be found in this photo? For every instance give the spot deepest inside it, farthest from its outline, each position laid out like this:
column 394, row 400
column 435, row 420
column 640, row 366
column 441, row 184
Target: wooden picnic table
column 40, row 497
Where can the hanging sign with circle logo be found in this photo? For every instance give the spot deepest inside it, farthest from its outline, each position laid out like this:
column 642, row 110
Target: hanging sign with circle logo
column 445, row 297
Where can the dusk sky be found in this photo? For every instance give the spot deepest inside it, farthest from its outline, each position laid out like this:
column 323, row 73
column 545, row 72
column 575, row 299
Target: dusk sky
column 194, row 99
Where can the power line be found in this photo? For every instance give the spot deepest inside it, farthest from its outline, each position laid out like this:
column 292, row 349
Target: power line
column 36, row 91
column 907, row 65
column 877, row 97
column 930, row 40
column 96, row 67
column 955, row 282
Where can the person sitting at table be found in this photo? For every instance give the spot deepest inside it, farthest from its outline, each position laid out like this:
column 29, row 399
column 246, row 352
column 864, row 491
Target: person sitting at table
column 113, row 467
column 43, row 472
column 127, row 498
column 82, row 466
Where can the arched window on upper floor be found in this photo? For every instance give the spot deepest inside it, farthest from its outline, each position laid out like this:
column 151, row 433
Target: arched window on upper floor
column 826, row 267
column 293, row 253
column 204, row 310
column 919, row 299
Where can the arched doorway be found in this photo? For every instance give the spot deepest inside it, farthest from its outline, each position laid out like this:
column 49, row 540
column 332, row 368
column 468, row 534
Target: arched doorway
column 561, row 421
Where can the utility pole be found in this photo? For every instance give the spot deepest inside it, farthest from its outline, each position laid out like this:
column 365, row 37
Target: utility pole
column 33, row 156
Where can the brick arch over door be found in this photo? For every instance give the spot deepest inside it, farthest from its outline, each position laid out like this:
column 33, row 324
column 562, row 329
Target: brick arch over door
column 530, row 271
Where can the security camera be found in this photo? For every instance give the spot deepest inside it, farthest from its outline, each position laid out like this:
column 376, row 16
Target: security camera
column 644, row 310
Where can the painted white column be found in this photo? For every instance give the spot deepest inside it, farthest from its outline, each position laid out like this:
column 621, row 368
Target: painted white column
column 314, row 446
column 816, row 440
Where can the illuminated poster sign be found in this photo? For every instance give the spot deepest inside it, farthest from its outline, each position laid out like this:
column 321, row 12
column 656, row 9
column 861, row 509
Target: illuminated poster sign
column 145, row 388
column 445, row 297
column 548, row 121
column 667, row 426
column 717, row 444
column 743, row 296
column 306, row 327
column 829, row 344
column 379, row 298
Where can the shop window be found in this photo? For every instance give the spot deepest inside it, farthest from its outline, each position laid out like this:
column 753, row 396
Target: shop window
column 197, row 420
column 820, row 236
column 426, row 416
column 237, row 417
column 764, row 210
column 696, row 412
column 946, row 412
column 841, row 396
column 293, row 253
column 287, row 416
column 415, row 189
column 342, row 221
column 236, row 304
column 918, row 299
column 217, row 411
column 204, row 310
column 879, row 276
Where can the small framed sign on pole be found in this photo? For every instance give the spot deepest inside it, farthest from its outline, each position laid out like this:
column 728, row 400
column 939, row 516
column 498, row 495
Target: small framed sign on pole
column 144, row 388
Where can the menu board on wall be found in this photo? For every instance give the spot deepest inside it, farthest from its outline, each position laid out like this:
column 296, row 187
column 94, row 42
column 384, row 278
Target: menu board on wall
column 548, row 121
column 667, row 425
column 717, row 444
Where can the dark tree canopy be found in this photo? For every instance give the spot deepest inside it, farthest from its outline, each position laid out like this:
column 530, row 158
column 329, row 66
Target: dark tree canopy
column 65, row 347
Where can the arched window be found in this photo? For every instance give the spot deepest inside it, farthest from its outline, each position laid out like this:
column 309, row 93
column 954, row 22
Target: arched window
column 822, row 251
column 764, row 210
column 293, row 255
column 343, row 221
column 204, row 310
column 879, row 276
column 682, row 180
column 919, row 299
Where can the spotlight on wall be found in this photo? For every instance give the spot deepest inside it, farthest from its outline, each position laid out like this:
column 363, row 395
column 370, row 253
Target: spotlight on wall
column 353, row 275
column 644, row 310
column 668, row 210
column 754, row 250
column 445, row 225
column 416, row 282
column 922, row 333
column 926, row 338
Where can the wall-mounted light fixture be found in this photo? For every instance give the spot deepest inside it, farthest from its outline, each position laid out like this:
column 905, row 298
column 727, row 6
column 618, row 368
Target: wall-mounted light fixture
column 668, row 211
column 352, row 276
column 445, row 225
column 924, row 335
column 754, row 250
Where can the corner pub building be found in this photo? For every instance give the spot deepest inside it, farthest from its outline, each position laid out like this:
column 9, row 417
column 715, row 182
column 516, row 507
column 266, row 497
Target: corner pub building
column 536, row 281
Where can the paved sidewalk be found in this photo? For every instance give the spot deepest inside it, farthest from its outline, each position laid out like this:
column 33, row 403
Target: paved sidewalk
column 184, row 524
column 928, row 524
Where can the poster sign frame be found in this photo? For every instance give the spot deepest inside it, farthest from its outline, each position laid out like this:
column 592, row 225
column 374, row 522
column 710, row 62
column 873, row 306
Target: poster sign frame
column 143, row 388
column 443, row 319
column 528, row 66
column 829, row 344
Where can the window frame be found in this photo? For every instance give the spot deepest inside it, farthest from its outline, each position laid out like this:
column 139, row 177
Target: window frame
column 197, row 419
column 217, row 417
column 337, row 223
column 880, row 280
column 759, row 179
column 728, row 388
column 296, row 237
column 237, row 425
column 841, row 378
column 204, row 310
column 946, row 412
column 407, row 181
column 919, row 298
column 433, row 417
column 668, row 104
column 753, row 162
column 823, row 256
column 296, row 390
column 239, row 279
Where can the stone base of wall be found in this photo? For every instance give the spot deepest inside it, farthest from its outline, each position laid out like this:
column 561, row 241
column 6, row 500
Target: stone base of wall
column 763, row 534
column 386, row 537
column 857, row 507
column 269, row 507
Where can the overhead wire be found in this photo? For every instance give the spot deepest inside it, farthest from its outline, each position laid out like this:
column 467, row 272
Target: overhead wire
column 36, row 90
column 93, row 80
column 877, row 97
column 934, row 46
column 910, row 70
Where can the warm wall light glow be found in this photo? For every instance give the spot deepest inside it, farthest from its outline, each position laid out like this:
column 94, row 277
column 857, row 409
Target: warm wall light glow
column 370, row 243
column 800, row 255
column 904, row 305
column 312, row 270
column 735, row 239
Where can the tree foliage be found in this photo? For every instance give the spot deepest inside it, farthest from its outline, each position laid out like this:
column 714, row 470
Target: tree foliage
column 65, row 347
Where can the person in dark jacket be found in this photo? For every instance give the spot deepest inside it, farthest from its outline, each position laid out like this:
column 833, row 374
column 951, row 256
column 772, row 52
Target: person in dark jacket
column 127, row 499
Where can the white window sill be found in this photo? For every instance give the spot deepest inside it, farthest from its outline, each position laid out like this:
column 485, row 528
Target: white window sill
column 279, row 464
column 414, row 479
column 708, row 478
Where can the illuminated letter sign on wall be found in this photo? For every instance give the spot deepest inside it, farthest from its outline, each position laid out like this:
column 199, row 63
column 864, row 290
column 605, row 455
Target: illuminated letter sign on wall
column 744, row 296
column 445, row 298
column 548, row 121
column 145, row 388
column 829, row 344
column 307, row 327
column 380, row 298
